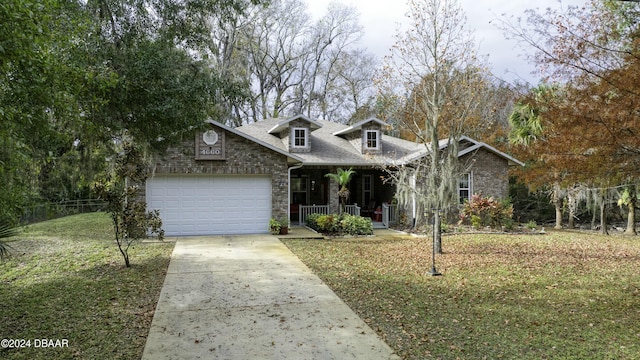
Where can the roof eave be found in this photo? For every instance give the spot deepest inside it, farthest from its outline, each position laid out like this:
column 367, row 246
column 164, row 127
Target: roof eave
column 512, row 161
column 358, row 126
column 285, row 123
column 257, row 141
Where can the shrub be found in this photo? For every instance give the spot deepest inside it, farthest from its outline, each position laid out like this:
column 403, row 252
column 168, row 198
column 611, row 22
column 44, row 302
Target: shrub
column 508, row 224
column 486, row 211
column 312, row 221
column 356, row 225
column 340, row 224
column 274, row 226
column 476, row 221
column 328, row 223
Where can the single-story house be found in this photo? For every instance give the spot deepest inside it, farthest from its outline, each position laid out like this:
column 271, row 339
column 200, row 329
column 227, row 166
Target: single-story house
column 234, row 180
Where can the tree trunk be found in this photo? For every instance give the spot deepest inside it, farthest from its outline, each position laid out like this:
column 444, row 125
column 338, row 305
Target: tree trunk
column 603, row 217
column 571, row 220
column 437, row 243
column 557, row 201
column 631, row 219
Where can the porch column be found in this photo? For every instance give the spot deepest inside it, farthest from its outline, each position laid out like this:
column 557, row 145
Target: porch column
column 334, row 200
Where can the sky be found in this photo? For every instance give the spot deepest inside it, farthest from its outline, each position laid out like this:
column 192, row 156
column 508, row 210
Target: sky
column 381, row 18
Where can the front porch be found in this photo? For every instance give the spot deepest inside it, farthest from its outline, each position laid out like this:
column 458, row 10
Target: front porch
column 387, row 215
column 312, row 192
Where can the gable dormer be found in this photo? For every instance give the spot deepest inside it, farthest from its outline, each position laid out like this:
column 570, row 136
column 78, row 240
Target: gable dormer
column 365, row 135
column 295, row 132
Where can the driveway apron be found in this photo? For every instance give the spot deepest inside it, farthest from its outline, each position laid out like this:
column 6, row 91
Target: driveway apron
column 249, row 297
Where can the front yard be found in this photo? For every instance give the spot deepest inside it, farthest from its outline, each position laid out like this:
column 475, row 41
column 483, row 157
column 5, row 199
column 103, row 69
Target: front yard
column 563, row 295
column 560, row 295
column 66, row 280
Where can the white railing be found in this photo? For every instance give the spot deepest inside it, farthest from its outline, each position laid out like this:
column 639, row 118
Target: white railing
column 389, row 214
column 352, row 209
column 305, row 210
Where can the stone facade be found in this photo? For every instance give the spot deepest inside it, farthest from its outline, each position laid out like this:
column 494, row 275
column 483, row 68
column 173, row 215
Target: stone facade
column 242, row 157
column 490, row 174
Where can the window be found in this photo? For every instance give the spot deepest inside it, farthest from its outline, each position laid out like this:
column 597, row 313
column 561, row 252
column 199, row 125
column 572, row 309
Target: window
column 299, row 186
column 371, row 139
column 464, row 187
column 367, row 189
column 299, row 137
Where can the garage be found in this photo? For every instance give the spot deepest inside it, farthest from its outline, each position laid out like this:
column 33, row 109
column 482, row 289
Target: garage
column 211, row 205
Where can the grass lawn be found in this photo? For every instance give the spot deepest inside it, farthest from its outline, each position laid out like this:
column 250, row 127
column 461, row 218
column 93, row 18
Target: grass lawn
column 65, row 279
column 563, row 295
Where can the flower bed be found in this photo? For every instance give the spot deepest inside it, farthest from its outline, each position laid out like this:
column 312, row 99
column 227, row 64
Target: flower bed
column 343, row 224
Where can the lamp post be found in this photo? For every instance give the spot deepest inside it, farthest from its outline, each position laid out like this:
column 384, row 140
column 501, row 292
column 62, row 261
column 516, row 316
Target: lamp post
column 436, row 220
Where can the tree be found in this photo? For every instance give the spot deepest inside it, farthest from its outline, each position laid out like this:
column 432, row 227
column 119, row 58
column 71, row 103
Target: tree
column 274, row 45
column 525, row 124
column 342, row 177
column 75, row 75
column 436, row 63
column 38, row 95
column 629, row 198
column 354, row 95
column 593, row 51
column 298, row 66
column 120, row 188
column 530, row 129
column 330, row 39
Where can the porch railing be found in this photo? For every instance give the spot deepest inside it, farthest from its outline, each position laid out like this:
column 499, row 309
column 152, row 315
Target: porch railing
column 305, row 210
column 352, row 209
column 389, row 214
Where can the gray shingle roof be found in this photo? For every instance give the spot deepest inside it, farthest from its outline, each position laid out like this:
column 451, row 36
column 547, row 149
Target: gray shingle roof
column 329, row 149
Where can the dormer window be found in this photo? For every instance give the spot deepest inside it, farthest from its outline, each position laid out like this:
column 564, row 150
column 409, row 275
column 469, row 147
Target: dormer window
column 300, row 137
column 372, row 139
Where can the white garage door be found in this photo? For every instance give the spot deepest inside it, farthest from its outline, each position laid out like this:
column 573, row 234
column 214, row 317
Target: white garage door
column 211, row 205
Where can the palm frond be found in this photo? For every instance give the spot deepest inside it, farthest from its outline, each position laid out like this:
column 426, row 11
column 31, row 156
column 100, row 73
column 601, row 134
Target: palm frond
column 6, row 231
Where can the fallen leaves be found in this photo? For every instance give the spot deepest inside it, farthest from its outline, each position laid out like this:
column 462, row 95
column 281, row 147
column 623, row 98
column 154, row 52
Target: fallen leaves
column 496, row 290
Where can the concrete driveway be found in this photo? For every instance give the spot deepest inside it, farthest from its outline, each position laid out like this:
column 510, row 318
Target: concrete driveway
column 249, row 297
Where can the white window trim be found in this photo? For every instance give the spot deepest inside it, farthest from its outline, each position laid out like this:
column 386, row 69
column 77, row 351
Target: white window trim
column 293, row 138
column 366, row 139
column 470, row 188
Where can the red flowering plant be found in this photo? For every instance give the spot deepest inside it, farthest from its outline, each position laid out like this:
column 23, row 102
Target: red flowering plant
column 486, row 211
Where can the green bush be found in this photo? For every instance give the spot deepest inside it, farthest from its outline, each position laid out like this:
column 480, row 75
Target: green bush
column 476, row 221
column 340, row 224
column 329, row 223
column 312, row 221
column 508, row 224
column 356, row 225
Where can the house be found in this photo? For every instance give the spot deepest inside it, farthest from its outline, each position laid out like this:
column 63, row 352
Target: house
column 233, row 180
